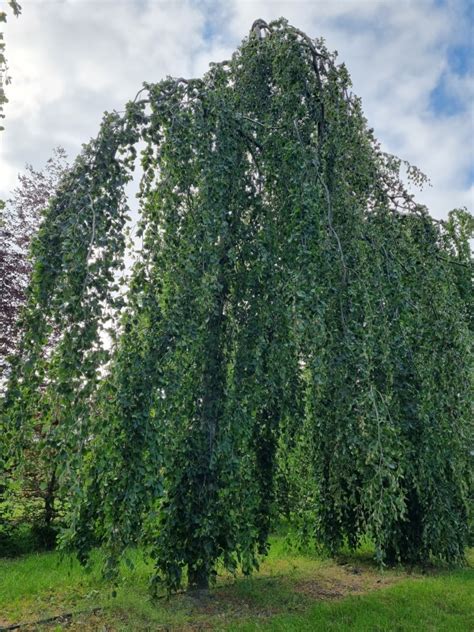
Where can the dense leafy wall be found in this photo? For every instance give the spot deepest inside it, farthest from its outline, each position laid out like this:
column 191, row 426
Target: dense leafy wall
column 295, row 322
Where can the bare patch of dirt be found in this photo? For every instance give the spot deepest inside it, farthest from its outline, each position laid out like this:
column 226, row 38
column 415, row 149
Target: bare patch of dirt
column 226, row 602
column 343, row 581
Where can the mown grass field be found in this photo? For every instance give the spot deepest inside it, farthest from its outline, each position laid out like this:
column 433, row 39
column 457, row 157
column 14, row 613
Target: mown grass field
column 291, row 592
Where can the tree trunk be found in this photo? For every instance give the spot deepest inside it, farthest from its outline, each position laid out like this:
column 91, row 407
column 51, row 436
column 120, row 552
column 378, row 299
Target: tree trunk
column 49, row 500
column 198, row 578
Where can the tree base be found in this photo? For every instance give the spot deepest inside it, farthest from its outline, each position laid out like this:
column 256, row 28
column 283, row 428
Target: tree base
column 198, row 580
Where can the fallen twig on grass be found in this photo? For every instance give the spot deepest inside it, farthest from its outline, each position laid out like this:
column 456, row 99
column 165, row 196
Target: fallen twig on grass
column 65, row 616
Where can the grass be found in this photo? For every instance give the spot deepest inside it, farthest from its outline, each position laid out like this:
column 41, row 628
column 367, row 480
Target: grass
column 422, row 604
column 290, row 592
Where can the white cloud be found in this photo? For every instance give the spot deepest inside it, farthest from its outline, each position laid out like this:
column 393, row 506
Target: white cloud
column 72, row 60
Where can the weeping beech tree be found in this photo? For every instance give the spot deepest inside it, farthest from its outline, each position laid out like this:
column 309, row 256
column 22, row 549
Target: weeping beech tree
column 294, row 321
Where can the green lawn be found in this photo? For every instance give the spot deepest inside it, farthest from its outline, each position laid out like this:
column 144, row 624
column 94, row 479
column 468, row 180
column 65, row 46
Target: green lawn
column 290, row 592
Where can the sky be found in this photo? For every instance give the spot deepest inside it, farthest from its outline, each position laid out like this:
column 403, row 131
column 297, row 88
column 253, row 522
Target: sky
column 411, row 62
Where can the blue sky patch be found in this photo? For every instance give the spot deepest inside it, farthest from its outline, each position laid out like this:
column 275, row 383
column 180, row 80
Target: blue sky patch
column 461, row 59
column 443, row 102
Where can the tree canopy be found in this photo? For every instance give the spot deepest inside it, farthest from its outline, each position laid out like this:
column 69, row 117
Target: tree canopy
column 296, row 326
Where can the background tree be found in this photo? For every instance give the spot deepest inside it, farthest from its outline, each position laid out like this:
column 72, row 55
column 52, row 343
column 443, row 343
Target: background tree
column 19, row 222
